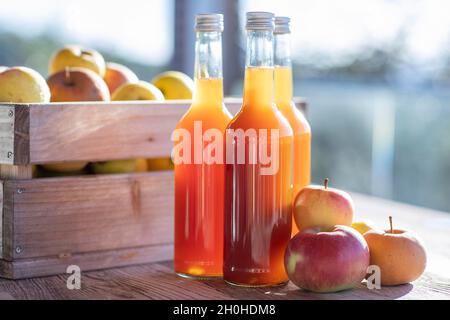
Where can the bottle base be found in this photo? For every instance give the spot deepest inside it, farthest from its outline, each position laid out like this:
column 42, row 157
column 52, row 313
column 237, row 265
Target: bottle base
column 246, row 285
column 198, row 277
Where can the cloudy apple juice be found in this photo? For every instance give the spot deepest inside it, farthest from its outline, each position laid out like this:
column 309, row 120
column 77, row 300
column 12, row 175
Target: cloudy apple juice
column 283, row 100
column 199, row 180
column 258, row 191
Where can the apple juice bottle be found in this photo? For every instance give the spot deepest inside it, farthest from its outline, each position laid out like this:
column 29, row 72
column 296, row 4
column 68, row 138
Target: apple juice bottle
column 258, row 192
column 199, row 170
column 283, row 100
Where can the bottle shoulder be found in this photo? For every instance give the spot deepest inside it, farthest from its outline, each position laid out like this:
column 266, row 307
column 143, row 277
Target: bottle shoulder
column 214, row 117
column 261, row 118
column 296, row 118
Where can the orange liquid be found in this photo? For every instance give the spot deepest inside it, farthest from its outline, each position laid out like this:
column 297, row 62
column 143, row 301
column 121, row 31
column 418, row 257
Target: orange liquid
column 301, row 129
column 258, row 207
column 199, row 191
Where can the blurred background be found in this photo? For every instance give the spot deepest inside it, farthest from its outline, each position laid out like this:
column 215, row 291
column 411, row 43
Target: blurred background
column 376, row 73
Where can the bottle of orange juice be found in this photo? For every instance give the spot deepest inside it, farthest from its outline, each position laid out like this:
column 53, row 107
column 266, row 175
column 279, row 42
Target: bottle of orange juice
column 258, row 175
column 199, row 182
column 283, row 99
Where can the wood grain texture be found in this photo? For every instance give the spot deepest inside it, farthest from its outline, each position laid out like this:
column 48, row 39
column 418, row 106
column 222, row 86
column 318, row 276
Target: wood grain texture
column 54, row 217
column 16, row 172
column 14, row 134
column 56, row 133
column 7, row 134
column 1, row 219
column 45, row 266
column 157, row 280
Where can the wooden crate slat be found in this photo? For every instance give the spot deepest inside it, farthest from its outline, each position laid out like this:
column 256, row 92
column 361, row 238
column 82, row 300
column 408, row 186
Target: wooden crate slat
column 7, row 134
column 46, row 266
column 66, row 132
column 58, row 216
column 62, row 133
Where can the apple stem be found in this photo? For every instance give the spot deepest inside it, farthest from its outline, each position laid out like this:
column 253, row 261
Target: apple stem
column 390, row 222
column 67, row 79
column 326, row 182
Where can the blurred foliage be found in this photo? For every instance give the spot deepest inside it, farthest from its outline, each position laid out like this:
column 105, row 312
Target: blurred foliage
column 342, row 99
column 35, row 52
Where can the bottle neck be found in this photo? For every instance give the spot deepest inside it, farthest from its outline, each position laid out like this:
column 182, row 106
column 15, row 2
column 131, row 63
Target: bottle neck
column 283, row 70
column 259, row 73
column 208, row 69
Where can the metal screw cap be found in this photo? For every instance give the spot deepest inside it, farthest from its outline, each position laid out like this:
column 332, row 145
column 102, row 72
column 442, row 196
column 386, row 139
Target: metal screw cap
column 260, row 21
column 209, row 22
column 282, row 25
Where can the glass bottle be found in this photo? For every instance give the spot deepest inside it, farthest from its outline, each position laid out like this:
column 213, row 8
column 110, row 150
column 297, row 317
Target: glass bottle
column 258, row 192
column 283, row 100
column 199, row 177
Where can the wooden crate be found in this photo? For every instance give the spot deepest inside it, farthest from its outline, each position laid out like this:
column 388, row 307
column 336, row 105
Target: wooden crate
column 93, row 221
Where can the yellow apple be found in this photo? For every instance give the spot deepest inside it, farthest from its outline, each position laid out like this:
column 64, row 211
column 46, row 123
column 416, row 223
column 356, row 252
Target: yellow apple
column 115, row 166
column 137, row 91
column 158, row 164
column 76, row 56
column 23, row 85
column 363, row 226
column 174, row 85
column 140, row 90
column 399, row 254
column 67, row 167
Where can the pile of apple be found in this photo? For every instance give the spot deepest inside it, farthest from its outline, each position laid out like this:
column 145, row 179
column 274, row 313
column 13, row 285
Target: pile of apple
column 78, row 74
column 331, row 254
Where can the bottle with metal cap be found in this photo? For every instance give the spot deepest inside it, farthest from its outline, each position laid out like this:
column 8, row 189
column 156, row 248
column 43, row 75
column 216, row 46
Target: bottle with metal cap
column 199, row 167
column 284, row 102
column 258, row 173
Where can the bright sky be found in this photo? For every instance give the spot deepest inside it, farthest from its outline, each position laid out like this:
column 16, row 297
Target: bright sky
column 140, row 29
column 342, row 27
column 143, row 29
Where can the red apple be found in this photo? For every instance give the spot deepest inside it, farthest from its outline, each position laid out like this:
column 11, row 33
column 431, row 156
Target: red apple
column 321, row 206
column 117, row 75
column 327, row 261
column 77, row 84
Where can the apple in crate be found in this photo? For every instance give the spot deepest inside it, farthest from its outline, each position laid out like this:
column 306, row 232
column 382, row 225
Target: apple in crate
column 77, row 56
column 74, row 85
column 327, row 259
column 117, row 75
column 23, row 85
column 322, row 206
column 77, row 84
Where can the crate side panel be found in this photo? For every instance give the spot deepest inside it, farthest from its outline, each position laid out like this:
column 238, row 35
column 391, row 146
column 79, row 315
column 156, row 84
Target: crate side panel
column 63, row 216
column 7, row 134
column 60, row 133
column 47, row 266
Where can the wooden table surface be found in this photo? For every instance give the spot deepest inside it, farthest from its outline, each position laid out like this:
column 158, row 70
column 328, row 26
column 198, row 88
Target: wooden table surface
column 157, row 281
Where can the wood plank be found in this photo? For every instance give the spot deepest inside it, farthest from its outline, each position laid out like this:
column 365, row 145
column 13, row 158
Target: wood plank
column 153, row 281
column 45, row 266
column 7, row 229
column 14, row 134
column 67, row 132
column 7, row 134
column 69, row 215
column 1, row 219
column 16, row 172
column 157, row 281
